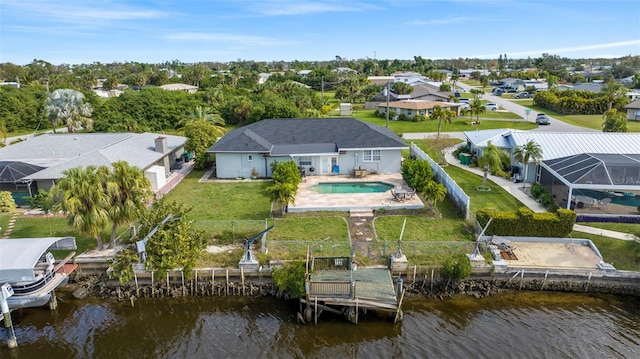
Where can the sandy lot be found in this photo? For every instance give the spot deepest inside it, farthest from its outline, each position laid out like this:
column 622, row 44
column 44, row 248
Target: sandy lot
column 557, row 255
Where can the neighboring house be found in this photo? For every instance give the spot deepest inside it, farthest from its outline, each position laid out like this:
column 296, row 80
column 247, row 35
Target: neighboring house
column 466, row 74
column 263, row 77
column 107, row 94
column 633, row 110
column 345, row 70
column 563, row 87
column 411, row 108
column 304, row 73
column 180, row 87
column 380, row 80
column 421, row 91
column 588, row 86
column 447, row 73
column 42, row 159
column 408, row 77
column 320, row 146
column 595, row 161
column 633, row 95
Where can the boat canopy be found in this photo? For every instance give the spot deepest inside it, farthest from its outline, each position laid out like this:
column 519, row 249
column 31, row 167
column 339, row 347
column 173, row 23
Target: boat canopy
column 18, row 257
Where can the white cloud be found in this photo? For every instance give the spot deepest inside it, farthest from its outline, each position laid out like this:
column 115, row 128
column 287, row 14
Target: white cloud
column 288, row 8
column 230, row 38
column 442, row 21
column 565, row 50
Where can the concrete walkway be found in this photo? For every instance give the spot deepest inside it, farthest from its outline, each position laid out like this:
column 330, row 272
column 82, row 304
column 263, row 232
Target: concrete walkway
column 514, row 189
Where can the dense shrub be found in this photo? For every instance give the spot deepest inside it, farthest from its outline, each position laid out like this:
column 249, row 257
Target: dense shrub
column 417, row 173
column 576, row 102
column 7, row 203
column 527, row 223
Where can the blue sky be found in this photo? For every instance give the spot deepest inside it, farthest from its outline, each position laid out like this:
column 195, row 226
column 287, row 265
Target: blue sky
column 153, row 31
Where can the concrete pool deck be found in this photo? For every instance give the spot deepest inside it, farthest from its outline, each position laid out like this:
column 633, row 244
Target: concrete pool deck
column 308, row 200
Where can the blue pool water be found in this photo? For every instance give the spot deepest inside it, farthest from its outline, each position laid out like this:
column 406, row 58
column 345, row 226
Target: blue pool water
column 625, row 201
column 351, row 187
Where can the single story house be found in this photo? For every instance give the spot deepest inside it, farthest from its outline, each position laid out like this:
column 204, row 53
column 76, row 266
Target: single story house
column 180, row 87
column 588, row 86
column 380, row 80
column 411, row 108
column 421, row 91
column 40, row 161
column 573, row 163
column 320, row 146
column 633, row 110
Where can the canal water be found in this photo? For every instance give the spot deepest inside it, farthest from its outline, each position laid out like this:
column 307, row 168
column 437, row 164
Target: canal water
column 510, row 325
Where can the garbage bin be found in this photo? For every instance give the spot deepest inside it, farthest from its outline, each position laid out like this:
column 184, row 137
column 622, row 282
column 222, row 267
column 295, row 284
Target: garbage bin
column 465, row 158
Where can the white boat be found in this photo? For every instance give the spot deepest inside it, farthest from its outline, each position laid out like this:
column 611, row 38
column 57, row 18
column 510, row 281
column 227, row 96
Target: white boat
column 32, row 271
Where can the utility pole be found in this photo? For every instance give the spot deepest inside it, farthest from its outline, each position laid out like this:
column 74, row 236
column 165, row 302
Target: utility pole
column 322, row 89
column 387, row 122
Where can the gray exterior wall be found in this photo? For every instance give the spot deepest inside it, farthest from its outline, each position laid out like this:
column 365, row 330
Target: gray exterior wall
column 234, row 165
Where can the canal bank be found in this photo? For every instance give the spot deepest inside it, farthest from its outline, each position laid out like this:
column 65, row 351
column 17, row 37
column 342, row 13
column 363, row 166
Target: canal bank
column 417, row 281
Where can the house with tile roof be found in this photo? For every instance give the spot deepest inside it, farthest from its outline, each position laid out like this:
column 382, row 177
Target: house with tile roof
column 43, row 159
column 320, row 146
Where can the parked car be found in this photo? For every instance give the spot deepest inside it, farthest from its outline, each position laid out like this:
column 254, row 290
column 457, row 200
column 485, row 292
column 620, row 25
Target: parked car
column 542, row 119
column 491, row 106
column 498, row 92
column 464, row 105
column 523, row 95
column 464, row 100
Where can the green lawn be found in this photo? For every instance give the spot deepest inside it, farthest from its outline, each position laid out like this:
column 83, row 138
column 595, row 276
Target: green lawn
column 223, row 200
column 496, row 198
column 624, row 255
column 310, row 228
column 4, row 222
column 459, row 124
column 618, row 227
column 588, row 121
column 34, row 227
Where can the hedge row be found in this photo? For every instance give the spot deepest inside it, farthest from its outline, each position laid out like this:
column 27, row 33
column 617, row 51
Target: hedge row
column 576, row 102
column 526, row 223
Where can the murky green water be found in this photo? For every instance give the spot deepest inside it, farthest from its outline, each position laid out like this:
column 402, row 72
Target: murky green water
column 513, row 325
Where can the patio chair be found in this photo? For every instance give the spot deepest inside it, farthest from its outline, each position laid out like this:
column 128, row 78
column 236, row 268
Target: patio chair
column 410, row 194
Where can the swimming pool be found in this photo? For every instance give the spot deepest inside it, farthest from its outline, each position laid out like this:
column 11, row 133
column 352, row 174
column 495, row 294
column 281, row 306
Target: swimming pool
column 351, row 187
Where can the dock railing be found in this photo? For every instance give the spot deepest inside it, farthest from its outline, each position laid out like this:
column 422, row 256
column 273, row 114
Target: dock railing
column 330, row 263
column 331, row 289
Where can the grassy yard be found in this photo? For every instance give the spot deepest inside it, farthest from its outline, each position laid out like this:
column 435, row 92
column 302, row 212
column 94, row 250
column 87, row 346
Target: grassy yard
column 624, row 255
column 459, row 124
column 588, row 121
column 4, row 221
column 40, row 226
column 246, row 200
column 618, row 227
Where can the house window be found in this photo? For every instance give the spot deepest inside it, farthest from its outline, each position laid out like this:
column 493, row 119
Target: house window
column 250, row 158
column 409, row 113
column 304, row 161
column 371, row 155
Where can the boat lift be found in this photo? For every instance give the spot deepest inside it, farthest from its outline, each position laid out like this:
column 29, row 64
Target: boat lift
column 141, row 244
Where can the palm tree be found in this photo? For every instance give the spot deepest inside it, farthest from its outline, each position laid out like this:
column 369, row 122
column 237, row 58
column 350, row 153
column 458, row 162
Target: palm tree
column 493, row 160
column 68, row 105
column 612, row 90
column 203, row 114
column 434, row 192
column 477, row 108
column 129, row 192
column 614, row 121
column 441, row 114
column 283, row 192
column 83, row 200
column 530, row 151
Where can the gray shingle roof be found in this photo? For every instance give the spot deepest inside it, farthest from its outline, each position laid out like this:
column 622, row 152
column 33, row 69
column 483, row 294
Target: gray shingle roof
column 344, row 133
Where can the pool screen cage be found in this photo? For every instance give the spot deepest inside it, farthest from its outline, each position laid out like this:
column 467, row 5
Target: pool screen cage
column 591, row 176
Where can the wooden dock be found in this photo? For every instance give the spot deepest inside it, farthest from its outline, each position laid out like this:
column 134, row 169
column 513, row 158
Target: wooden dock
column 334, row 284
